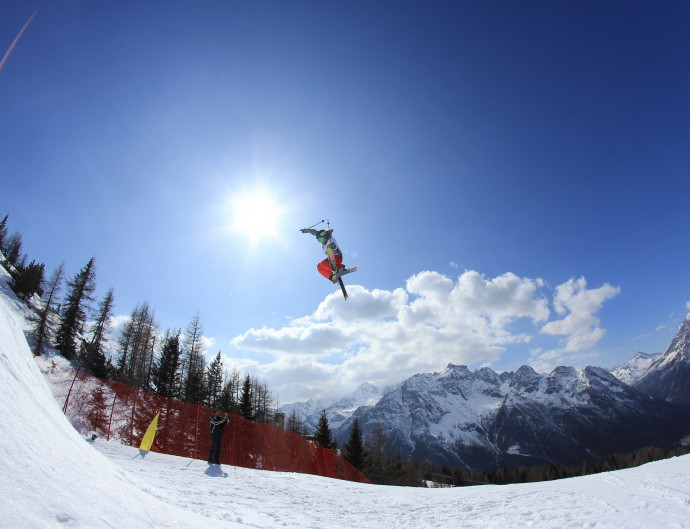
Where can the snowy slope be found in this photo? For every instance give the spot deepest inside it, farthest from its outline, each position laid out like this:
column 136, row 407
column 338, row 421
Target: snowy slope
column 53, row 477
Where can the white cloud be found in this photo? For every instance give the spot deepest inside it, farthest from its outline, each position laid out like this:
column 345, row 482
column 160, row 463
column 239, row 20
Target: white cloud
column 385, row 336
column 579, row 325
column 579, row 306
column 313, row 340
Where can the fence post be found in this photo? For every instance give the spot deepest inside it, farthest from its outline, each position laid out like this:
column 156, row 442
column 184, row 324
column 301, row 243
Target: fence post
column 196, row 432
column 64, row 408
column 322, row 452
column 269, row 464
column 293, row 437
column 234, row 438
column 131, row 428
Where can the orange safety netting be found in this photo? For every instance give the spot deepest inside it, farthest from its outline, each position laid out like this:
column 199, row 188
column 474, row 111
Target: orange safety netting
column 116, row 411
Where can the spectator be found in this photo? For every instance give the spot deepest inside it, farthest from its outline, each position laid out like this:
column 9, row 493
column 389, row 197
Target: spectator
column 218, row 421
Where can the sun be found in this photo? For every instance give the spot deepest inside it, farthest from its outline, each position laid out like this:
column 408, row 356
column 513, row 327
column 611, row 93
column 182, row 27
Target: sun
column 255, row 215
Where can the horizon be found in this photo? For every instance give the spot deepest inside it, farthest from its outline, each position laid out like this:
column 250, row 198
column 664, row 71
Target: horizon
column 509, row 179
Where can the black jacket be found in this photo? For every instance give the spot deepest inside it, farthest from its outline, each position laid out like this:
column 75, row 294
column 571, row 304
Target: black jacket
column 218, row 424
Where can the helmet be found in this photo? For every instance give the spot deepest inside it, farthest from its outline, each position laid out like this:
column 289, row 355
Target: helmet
column 323, row 236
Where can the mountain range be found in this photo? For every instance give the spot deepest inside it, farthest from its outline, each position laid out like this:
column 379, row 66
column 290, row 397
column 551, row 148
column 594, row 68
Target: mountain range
column 486, row 420
column 338, row 410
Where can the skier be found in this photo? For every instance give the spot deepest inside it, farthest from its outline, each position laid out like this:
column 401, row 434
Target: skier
column 218, row 421
column 325, row 237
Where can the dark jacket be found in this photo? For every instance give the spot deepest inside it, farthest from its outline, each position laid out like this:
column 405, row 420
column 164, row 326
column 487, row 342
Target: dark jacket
column 218, row 424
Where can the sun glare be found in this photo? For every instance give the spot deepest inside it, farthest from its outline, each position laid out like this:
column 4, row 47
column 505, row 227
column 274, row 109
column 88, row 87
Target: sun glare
column 255, row 216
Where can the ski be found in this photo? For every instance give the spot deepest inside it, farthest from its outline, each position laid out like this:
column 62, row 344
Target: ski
column 334, row 267
column 342, row 287
column 345, row 271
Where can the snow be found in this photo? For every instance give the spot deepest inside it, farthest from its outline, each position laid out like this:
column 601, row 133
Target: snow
column 635, row 368
column 54, row 477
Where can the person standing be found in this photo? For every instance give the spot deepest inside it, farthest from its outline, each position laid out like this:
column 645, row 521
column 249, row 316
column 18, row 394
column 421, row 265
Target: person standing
column 218, row 421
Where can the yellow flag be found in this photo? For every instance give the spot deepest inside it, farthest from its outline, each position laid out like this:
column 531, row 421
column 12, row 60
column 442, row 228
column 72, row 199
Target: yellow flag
column 147, row 441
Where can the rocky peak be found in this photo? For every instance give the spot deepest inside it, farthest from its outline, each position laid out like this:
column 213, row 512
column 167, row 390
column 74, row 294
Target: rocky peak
column 525, row 380
column 456, row 371
column 561, row 380
column 635, row 368
column 679, row 350
column 668, row 377
column 489, row 376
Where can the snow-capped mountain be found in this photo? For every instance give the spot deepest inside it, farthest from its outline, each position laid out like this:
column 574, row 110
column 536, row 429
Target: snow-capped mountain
column 635, row 368
column 484, row 420
column 668, row 377
column 338, row 410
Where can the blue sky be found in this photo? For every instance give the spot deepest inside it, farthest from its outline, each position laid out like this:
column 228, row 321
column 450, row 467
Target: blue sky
column 511, row 178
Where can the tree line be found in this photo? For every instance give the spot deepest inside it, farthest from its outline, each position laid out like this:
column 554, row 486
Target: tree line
column 553, row 471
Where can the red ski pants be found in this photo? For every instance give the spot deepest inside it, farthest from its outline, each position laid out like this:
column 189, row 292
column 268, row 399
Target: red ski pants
column 324, row 267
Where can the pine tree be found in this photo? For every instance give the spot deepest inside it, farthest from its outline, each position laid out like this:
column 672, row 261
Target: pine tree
column 125, row 342
column 92, row 355
column 376, row 447
column 262, row 400
column 214, row 381
column 246, row 409
column 12, row 249
column 225, row 401
column 230, row 395
column 295, row 423
column 3, row 233
column 27, row 280
column 353, row 450
column 323, row 434
column 97, row 416
column 43, row 327
column 73, row 313
column 136, row 346
column 194, row 361
column 166, row 376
